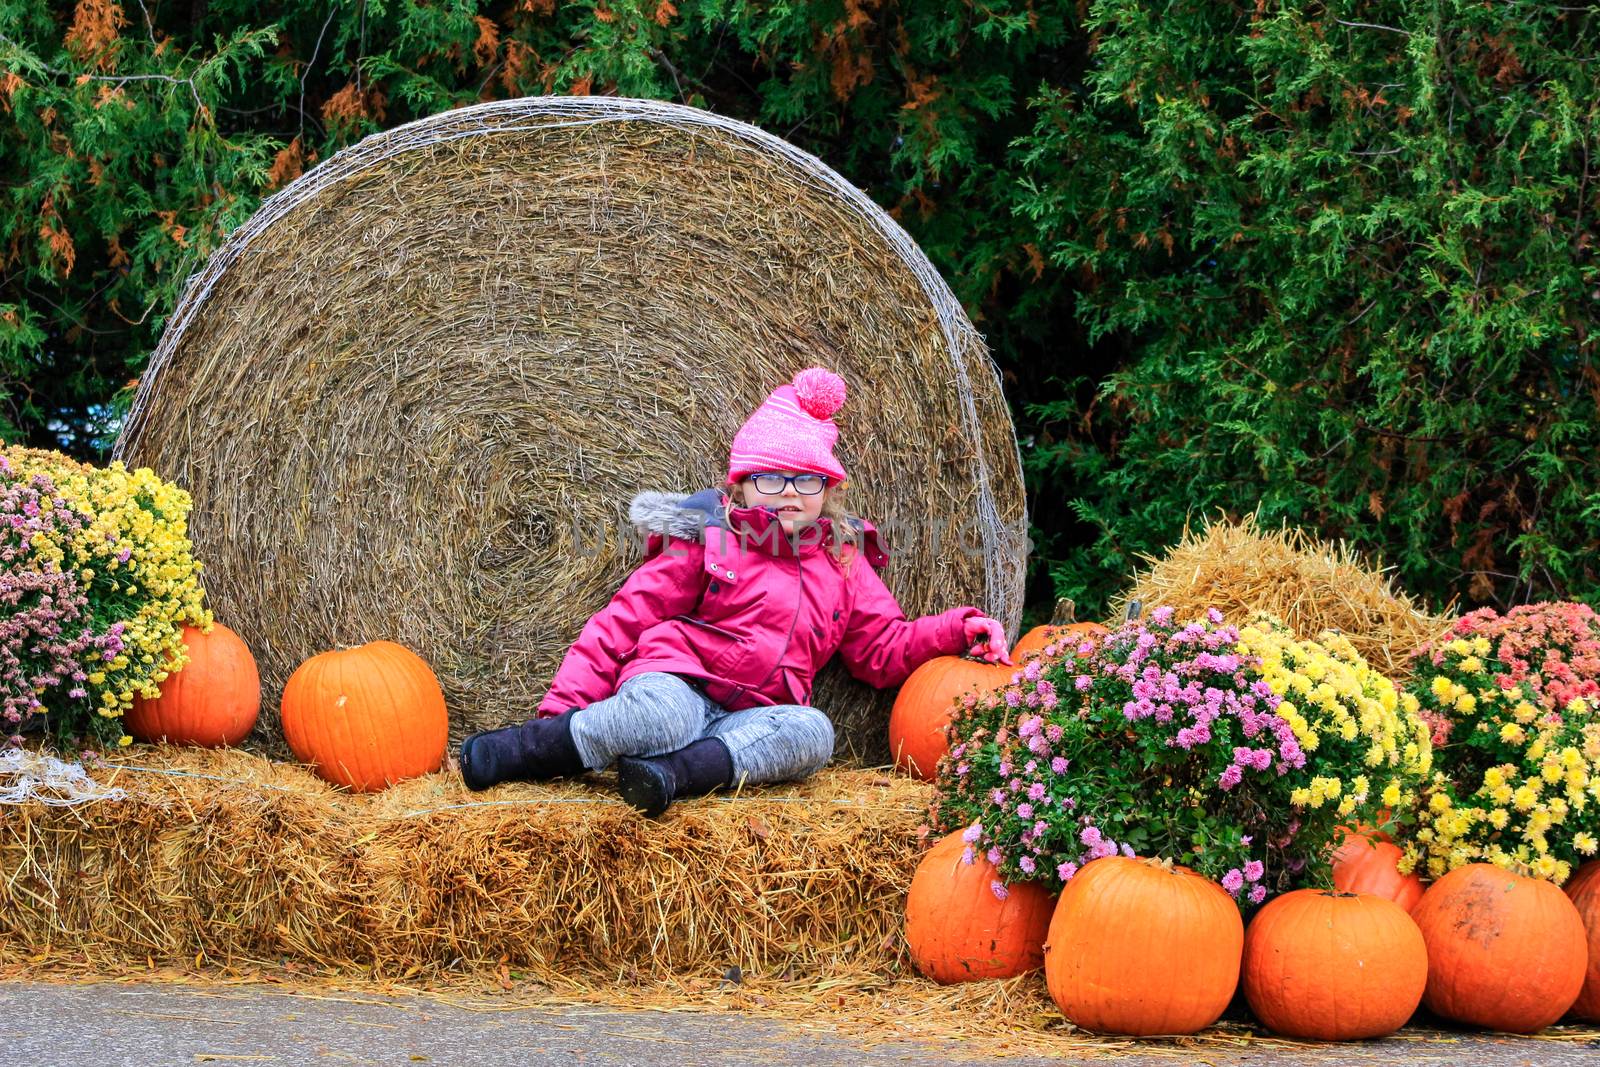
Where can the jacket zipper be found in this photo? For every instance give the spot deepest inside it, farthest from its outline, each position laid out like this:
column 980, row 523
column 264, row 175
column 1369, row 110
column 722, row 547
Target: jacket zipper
column 799, row 599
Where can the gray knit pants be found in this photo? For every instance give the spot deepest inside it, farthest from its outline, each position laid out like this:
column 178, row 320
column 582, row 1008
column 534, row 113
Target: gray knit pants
column 655, row 713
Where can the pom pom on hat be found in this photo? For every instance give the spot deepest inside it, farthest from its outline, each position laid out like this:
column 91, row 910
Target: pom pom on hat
column 792, row 429
column 819, row 391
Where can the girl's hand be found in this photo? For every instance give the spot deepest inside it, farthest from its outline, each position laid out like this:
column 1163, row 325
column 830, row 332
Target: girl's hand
column 986, row 639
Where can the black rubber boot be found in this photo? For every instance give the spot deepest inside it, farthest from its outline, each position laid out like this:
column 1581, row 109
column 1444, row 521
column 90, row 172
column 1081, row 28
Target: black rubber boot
column 652, row 783
column 537, row 750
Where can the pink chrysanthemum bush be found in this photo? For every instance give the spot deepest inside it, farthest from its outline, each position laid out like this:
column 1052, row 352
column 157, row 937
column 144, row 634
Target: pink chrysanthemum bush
column 1550, row 649
column 1235, row 750
column 1513, row 702
column 97, row 581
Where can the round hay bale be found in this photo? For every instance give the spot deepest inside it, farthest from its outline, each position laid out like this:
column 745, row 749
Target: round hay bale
column 414, row 394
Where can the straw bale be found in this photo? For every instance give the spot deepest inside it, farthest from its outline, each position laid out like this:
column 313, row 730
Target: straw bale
column 230, row 858
column 786, row 902
column 1312, row 585
column 413, row 395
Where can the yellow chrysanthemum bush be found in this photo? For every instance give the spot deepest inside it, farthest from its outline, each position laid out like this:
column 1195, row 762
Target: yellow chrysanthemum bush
column 1516, row 726
column 1238, row 751
column 1350, row 716
column 97, row 580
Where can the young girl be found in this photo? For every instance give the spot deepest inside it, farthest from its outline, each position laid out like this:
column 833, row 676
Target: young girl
column 698, row 673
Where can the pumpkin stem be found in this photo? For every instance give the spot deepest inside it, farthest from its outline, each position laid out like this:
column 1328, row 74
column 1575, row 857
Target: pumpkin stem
column 1523, row 870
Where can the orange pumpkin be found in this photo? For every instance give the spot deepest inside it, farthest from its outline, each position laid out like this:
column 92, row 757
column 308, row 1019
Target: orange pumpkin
column 1583, row 889
column 1142, row 947
column 1362, row 864
column 1504, row 952
column 1333, row 966
column 924, row 705
column 958, row 930
column 212, row 701
column 366, row 717
column 1036, row 639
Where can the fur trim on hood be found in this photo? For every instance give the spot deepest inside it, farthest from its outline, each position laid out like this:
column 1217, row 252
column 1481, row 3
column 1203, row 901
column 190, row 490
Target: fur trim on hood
column 684, row 515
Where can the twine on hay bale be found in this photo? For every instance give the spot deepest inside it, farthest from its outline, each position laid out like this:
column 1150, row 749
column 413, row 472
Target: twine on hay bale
column 1312, row 585
column 27, row 776
column 413, row 395
column 231, row 858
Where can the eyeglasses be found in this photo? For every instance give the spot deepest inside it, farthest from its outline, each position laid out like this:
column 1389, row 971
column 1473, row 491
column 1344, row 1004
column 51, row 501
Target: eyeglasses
column 804, row 484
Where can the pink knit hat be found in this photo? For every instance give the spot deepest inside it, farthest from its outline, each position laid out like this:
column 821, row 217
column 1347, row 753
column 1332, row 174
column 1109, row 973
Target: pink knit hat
column 793, row 429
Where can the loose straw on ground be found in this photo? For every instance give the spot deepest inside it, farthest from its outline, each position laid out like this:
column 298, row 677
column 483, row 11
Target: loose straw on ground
column 413, row 395
column 980, row 1021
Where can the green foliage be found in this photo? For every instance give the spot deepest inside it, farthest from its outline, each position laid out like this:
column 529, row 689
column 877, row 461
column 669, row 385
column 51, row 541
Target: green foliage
column 1334, row 261
column 1351, row 247
column 140, row 134
column 125, row 182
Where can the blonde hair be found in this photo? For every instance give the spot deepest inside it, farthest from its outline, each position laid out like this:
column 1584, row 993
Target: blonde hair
column 846, row 526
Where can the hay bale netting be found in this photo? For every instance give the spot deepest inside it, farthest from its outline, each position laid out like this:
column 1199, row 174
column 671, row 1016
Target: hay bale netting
column 413, row 395
column 1312, row 585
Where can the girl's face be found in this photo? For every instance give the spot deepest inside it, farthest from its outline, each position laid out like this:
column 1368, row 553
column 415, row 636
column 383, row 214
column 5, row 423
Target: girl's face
column 793, row 507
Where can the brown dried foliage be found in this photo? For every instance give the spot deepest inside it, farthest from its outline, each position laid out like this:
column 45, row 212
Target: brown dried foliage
column 93, row 35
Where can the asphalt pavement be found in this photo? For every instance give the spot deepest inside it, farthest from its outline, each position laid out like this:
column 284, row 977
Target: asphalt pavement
column 110, row 1025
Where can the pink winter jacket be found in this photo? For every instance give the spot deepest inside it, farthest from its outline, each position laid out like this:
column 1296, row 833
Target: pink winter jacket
column 755, row 618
